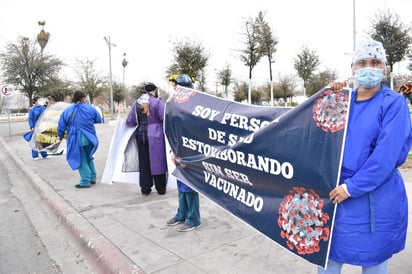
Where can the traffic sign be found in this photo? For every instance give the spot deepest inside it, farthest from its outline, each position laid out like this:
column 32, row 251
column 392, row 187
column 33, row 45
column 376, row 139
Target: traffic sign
column 6, row 90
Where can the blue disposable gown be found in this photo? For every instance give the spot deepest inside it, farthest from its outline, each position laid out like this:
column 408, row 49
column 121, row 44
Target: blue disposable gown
column 371, row 225
column 34, row 114
column 79, row 117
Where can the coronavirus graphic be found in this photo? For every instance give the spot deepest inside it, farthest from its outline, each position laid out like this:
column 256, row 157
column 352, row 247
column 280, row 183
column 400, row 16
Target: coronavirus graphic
column 302, row 222
column 330, row 110
column 182, row 94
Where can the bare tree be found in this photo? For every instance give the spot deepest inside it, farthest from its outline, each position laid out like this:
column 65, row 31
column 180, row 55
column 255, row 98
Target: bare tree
column 305, row 63
column 24, row 66
column 225, row 78
column 89, row 80
column 241, row 90
column 284, row 89
column 191, row 58
column 119, row 93
column 251, row 55
column 320, row 80
column 394, row 35
column 268, row 44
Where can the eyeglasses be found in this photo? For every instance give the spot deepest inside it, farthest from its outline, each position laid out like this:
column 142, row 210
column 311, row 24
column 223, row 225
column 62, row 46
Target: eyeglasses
column 369, row 63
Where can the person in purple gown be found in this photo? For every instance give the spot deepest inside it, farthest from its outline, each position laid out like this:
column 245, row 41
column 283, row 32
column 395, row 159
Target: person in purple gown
column 147, row 115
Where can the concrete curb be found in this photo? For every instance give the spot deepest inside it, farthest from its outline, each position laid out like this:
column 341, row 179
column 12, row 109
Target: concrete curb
column 104, row 255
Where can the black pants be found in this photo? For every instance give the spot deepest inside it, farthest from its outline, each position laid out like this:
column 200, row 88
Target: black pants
column 146, row 178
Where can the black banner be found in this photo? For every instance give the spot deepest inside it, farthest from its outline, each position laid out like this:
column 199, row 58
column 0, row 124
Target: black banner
column 272, row 167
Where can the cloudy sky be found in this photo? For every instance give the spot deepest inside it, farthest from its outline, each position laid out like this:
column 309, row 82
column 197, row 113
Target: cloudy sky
column 146, row 30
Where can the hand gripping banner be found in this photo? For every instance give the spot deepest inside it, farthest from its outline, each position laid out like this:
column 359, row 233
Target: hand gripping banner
column 271, row 167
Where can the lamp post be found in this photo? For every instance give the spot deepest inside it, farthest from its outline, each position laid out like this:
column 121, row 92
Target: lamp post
column 124, row 64
column 110, row 45
column 42, row 37
column 25, row 52
column 217, row 81
column 354, row 25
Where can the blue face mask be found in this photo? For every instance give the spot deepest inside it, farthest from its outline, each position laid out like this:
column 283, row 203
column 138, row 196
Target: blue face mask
column 369, row 77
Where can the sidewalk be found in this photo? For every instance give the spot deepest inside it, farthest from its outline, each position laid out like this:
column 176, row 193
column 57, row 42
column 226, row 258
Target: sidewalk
column 125, row 232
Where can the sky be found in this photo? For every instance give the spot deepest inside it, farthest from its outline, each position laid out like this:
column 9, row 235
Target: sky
column 146, row 31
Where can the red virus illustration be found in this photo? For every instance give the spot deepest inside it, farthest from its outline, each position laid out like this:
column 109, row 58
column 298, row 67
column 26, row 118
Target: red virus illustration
column 182, row 94
column 302, row 222
column 330, row 110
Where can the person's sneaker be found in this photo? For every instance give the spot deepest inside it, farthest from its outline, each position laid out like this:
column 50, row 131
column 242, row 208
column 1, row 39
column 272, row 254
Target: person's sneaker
column 173, row 222
column 93, row 182
column 47, row 157
column 186, row 227
column 36, row 159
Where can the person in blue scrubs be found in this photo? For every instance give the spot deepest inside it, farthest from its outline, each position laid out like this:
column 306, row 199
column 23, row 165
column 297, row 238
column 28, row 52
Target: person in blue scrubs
column 34, row 114
column 188, row 213
column 372, row 205
column 82, row 142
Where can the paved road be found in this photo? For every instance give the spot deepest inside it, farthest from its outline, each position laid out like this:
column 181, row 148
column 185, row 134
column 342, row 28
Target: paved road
column 22, row 250
column 30, row 237
column 13, row 128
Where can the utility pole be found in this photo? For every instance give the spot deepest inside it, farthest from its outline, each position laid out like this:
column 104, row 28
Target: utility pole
column 110, row 45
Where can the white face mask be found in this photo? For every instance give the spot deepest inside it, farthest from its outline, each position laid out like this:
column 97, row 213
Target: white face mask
column 369, row 77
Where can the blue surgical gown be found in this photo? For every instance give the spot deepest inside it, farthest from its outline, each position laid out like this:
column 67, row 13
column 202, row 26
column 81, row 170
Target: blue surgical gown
column 78, row 118
column 371, row 225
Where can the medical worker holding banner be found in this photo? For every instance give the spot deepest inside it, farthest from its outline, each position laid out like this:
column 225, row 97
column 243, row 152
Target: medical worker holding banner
column 188, row 213
column 372, row 206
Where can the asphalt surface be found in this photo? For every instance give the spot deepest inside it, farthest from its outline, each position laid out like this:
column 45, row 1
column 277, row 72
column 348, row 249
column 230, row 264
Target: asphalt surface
column 124, row 232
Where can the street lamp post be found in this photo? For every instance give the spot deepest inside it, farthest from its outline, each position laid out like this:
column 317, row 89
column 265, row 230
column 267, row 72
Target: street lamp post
column 354, row 25
column 42, row 37
column 25, row 52
column 110, row 45
column 217, row 80
column 124, row 64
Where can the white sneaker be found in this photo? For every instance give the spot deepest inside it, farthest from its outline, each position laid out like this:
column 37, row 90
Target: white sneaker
column 47, row 157
column 36, row 159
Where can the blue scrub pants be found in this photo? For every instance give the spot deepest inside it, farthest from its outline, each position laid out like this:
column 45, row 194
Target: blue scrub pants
column 188, row 210
column 35, row 154
column 335, row 268
column 87, row 169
